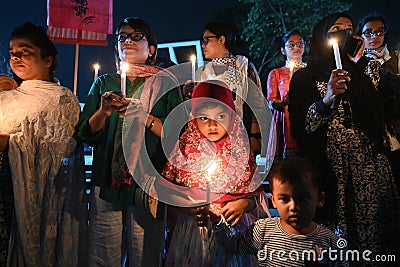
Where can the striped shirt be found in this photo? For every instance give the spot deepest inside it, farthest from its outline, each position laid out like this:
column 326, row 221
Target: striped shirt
column 273, row 246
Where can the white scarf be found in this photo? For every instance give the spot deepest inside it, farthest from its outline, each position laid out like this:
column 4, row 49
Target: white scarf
column 235, row 77
column 380, row 54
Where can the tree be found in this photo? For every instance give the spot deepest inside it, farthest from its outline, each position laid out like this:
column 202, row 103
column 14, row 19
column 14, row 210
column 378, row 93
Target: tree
column 269, row 20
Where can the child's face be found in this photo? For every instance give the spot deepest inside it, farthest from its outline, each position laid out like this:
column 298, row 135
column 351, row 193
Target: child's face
column 296, row 204
column 212, row 122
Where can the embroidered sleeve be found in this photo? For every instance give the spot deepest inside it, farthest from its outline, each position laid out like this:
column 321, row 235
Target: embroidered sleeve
column 314, row 119
column 318, row 113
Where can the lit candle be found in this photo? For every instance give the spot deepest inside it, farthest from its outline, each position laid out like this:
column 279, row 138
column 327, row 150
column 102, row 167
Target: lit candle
column 123, row 78
column 96, row 70
column 210, row 171
column 291, row 68
column 336, row 53
column 193, row 59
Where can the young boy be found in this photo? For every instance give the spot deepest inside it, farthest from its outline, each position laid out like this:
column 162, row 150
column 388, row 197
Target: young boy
column 293, row 239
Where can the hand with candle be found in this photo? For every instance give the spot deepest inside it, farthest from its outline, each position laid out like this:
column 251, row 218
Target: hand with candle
column 187, row 90
column 112, row 102
column 136, row 98
column 278, row 83
column 341, row 120
column 336, row 85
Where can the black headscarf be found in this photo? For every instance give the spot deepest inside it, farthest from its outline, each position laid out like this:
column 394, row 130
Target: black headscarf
column 321, row 59
column 365, row 100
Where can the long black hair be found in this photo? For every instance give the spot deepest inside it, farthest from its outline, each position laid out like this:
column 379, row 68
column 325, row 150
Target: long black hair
column 373, row 17
column 233, row 41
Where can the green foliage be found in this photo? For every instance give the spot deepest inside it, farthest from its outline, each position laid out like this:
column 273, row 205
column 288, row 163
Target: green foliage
column 269, row 20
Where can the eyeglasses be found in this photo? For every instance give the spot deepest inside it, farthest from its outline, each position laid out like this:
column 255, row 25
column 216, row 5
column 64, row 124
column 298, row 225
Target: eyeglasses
column 372, row 33
column 293, row 45
column 205, row 39
column 134, row 36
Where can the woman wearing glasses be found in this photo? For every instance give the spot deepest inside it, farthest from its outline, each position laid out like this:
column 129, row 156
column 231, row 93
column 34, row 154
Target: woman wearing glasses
column 277, row 93
column 115, row 221
column 219, row 43
column 337, row 118
column 374, row 30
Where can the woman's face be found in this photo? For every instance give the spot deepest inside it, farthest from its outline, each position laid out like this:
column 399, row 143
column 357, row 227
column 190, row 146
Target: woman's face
column 133, row 46
column 27, row 62
column 294, row 48
column 342, row 23
column 213, row 46
column 373, row 33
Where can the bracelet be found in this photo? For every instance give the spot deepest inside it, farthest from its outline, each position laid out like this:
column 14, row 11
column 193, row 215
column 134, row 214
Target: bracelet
column 151, row 123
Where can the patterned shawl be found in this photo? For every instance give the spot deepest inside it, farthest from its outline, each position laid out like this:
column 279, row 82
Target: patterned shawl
column 189, row 163
column 380, row 54
column 125, row 160
column 235, row 77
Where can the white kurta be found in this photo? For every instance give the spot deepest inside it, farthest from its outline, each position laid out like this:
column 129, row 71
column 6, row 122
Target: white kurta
column 40, row 117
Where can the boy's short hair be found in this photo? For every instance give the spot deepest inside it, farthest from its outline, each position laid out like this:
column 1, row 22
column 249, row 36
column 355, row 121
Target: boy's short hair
column 291, row 170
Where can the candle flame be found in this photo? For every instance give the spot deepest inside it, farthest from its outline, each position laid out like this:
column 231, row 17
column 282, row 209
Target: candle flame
column 332, row 41
column 96, row 66
column 193, row 58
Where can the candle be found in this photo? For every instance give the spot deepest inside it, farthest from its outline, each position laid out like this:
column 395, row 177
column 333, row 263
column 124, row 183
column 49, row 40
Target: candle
column 210, row 171
column 291, row 67
column 193, row 59
column 123, row 78
column 96, row 71
column 336, row 53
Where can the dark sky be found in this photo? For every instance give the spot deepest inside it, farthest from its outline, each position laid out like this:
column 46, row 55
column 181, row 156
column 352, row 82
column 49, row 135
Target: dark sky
column 171, row 20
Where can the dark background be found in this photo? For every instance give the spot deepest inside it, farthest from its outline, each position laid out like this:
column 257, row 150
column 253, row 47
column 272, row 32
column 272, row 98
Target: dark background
column 172, row 21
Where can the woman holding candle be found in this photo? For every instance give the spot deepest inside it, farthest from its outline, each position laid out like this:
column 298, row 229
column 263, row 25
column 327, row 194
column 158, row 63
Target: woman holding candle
column 213, row 156
column 277, row 93
column 337, row 119
column 36, row 140
column 112, row 207
column 219, row 42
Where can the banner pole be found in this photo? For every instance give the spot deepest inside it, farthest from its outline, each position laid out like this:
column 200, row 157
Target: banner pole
column 76, row 68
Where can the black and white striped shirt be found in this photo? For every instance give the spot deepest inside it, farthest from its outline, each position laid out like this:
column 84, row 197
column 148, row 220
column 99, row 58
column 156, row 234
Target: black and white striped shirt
column 273, row 246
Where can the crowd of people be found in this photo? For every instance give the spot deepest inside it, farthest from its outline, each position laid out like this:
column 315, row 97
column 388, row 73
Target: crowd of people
column 334, row 144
